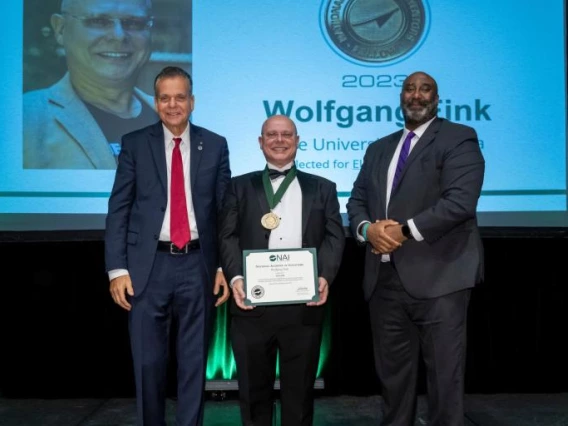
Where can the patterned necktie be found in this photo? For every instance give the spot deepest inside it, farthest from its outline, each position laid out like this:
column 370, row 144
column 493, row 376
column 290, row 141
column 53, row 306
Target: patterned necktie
column 179, row 222
column 402, row 160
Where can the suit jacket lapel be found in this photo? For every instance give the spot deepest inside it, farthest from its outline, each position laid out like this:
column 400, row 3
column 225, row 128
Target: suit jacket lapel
column 256, row 180
column 309, row 189
column 86, row 131
column 385, row 161
column 156, row 141
column 196, row 151
column 425, row 140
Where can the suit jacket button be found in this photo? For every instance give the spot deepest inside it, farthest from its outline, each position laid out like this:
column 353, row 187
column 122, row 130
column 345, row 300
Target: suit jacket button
column 163, row 209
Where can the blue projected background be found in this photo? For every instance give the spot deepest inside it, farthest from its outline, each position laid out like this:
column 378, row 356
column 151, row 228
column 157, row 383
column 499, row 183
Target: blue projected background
column 500, row 67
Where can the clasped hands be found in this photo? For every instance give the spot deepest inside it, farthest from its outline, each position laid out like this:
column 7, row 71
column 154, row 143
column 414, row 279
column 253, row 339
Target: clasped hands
column 385, row 236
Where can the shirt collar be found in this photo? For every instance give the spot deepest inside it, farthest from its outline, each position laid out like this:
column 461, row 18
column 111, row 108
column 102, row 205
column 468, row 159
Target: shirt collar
column 169, row 136
column 419, row 131
column 286, row 167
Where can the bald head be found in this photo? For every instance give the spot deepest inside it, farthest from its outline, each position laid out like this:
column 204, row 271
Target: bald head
column 423, row 76
column 282, row 118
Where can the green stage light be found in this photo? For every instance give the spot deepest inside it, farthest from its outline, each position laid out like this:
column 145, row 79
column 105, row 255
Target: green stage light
column 221, row 362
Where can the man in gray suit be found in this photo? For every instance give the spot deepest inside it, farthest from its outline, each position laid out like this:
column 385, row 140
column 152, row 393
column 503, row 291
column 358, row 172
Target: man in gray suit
column 77, row 123
column 414, row 205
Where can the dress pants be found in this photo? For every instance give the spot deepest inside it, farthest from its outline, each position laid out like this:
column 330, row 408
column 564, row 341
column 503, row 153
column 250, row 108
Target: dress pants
column 403, row 328
column 178, row 289
column 257, row 341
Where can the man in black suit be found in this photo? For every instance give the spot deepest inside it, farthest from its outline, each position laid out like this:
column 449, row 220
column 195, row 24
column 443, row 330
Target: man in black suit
column 161, row 247
column 424, row 253
column 308, row 216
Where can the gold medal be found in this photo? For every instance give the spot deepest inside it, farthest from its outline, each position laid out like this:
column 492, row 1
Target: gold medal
column 270, row 221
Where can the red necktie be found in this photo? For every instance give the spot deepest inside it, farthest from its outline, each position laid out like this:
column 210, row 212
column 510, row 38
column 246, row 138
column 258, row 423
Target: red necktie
column 179, row 222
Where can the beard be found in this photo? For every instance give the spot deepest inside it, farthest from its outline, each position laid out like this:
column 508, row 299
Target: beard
column 427, row 110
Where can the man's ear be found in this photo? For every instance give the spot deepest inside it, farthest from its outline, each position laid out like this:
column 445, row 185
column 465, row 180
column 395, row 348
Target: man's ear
column 58, row 24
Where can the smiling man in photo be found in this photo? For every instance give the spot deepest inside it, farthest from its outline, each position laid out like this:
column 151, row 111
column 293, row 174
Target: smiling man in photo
column 77, row 123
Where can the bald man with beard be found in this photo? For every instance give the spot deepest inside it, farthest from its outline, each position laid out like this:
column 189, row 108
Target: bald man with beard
column 414, row 205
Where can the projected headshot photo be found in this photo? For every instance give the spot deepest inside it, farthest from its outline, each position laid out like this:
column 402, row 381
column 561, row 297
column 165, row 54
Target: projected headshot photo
column 89, row 68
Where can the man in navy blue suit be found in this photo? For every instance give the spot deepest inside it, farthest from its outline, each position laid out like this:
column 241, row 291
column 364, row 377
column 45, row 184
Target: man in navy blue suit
column 414, row 206
column 153, row 276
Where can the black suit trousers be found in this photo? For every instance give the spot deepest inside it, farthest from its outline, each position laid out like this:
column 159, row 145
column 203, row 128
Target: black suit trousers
column 258, row 341
column 403, row 328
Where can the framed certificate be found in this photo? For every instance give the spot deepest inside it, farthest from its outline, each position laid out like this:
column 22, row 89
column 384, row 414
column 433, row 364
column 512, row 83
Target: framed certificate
column 279, row 277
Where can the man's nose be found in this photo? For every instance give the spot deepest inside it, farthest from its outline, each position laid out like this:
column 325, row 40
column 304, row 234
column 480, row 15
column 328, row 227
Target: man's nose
column 117, row 29
column 415, row 94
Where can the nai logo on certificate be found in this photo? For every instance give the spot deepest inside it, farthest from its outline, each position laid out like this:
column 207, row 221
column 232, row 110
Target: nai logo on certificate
column 279, row 277
column 257, row 292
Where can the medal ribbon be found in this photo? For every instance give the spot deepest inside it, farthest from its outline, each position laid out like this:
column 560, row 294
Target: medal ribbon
column 271, row 197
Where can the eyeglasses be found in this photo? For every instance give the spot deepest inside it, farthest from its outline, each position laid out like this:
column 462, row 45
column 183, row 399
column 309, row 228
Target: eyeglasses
column 283, row 135
column 104, row 23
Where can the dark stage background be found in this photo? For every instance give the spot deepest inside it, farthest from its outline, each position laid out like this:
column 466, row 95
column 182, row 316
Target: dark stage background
column 62, row 336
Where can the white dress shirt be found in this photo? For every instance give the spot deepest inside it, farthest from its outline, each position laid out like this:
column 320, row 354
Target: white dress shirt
column 288, row 234
column 185, row 157
column 418, row 132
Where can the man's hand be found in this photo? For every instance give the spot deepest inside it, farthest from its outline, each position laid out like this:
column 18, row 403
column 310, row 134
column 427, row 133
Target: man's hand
column 395, row 232
column 382, row 238
column 239, row 294
column 221, row 282
column 323, row 290
column 119, row 287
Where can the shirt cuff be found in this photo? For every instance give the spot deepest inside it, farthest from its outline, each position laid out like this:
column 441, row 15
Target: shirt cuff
column 414, row 230
column 235, row 278
column 115, row 273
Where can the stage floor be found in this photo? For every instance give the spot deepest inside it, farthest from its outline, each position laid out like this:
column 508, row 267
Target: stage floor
column 481, row 410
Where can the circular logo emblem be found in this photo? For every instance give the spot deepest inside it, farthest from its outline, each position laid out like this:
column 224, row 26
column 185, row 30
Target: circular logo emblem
column 257, row 291
column 374, row 32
